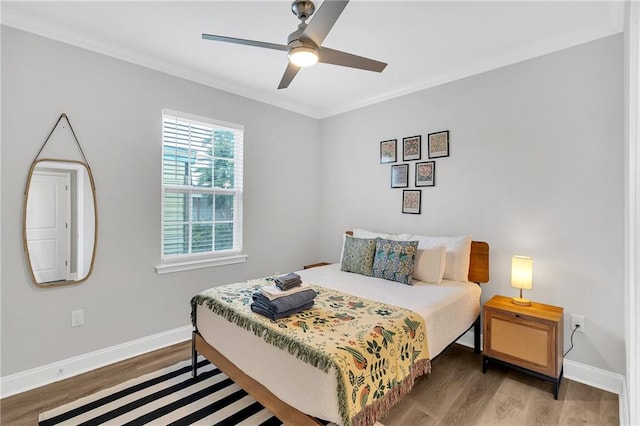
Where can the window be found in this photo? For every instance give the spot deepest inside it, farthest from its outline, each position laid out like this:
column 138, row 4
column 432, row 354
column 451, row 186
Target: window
column 201, row 192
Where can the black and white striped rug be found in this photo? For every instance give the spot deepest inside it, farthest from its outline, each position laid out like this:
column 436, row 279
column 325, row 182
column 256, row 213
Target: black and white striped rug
column 166, row 397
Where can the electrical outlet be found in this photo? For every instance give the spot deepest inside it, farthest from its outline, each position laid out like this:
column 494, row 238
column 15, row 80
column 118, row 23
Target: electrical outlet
column 77, row 318
column 578, row 320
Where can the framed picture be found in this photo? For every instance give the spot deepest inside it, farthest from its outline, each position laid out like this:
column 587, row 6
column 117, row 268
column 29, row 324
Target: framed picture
column 400, row 176
column 388, row 153
column 411, row 148
column 411, row 201
column 439, row 144
column 426, row 173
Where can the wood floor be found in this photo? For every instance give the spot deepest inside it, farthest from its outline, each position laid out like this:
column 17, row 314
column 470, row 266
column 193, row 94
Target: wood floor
column 455, row 393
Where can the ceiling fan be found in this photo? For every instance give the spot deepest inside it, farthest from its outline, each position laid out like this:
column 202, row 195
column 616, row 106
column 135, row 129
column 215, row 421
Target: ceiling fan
column 304, row 45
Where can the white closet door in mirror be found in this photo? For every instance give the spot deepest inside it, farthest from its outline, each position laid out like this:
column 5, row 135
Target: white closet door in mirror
column 60, row 222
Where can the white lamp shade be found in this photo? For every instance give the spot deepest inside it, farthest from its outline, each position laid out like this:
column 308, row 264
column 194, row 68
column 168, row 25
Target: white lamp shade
column 522, row 272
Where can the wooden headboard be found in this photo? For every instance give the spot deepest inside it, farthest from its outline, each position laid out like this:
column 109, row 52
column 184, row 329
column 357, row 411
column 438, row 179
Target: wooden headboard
column 478, row 262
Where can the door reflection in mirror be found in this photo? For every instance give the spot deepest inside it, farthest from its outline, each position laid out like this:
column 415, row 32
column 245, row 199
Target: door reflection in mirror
column 60, row 222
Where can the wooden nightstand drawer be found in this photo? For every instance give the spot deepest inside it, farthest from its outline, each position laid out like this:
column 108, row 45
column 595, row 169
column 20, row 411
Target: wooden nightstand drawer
column 518, row 340
column 526, row 337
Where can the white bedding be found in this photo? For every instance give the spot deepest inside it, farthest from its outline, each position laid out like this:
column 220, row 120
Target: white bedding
column 449, row 309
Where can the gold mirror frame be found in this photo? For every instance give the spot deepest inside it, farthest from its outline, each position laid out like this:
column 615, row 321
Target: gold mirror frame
column 76, row 166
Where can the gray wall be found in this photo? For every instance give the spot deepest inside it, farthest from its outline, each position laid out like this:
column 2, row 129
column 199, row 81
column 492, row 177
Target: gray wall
column 536, row 168
column 115, row 109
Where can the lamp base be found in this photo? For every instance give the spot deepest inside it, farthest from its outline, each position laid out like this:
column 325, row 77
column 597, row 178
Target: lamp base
column 520, row 301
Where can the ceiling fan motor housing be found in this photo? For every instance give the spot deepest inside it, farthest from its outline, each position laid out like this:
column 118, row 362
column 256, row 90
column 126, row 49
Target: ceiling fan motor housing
column 295, row 39
column 303, row 9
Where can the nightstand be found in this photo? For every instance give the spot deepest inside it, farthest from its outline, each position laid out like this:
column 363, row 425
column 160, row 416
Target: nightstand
column 314, row 265
column 526, row 338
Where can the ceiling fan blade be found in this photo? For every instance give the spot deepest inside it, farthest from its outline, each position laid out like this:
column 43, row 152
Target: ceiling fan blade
column 289, row 73
column 323, row 20
column 336, row 57
column 254, row 43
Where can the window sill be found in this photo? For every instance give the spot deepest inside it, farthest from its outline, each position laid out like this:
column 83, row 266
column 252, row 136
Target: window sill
column 169, row 268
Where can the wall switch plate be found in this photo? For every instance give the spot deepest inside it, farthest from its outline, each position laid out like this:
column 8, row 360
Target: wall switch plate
column 77, row 318
column 578, row 320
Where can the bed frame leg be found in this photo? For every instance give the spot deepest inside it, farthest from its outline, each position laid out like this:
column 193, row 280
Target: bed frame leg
column 194, row 356
column 476, row 336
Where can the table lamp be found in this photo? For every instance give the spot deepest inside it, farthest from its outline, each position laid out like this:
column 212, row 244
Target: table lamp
column 521, row 277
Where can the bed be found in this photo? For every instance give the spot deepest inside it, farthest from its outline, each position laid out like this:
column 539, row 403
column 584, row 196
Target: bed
column 307, row 393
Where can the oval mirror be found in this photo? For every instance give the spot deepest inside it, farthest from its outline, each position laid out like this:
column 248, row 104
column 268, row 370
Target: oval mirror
column 60, row 222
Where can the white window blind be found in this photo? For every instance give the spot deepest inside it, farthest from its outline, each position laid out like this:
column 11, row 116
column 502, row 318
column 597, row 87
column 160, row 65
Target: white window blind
column 201, row 187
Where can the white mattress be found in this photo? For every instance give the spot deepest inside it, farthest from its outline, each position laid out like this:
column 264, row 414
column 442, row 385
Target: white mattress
column 448, row 309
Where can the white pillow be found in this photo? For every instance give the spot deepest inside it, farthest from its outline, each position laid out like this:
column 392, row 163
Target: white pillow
column 430, row 263
column 363, row 233
column 458, row 254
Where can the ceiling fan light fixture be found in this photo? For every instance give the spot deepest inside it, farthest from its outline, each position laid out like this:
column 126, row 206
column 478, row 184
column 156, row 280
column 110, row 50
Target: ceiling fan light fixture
column 303, row 56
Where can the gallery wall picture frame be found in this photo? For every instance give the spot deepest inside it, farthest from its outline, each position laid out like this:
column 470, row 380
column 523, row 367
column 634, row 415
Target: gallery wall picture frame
column 411, row 200
column 426, row 173
column 400, row 176
column 388, row 151
column 438, row 144
column 411, row 148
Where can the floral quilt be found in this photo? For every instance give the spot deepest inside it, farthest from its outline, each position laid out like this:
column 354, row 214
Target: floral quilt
column 377, row 350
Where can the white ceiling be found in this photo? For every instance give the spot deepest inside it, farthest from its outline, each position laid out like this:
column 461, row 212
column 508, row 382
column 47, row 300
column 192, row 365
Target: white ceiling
column 425, row 43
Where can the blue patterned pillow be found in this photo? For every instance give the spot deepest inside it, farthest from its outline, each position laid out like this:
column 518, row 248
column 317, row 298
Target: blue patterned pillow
column 357, row 255
column 394, row 260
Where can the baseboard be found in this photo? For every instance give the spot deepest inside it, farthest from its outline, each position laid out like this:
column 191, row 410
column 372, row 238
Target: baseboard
column 467, row 339
column 592, row 376
column 40, row 376
column 623, row 405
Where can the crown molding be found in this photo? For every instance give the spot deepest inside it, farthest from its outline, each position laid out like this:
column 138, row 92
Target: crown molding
column 25, row 22
column 28, row 23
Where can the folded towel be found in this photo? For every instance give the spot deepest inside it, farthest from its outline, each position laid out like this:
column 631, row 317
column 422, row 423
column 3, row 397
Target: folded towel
column 289, row 285
column 286, row 303
column 259, row 309
column 273, row 292
column 287, row 280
